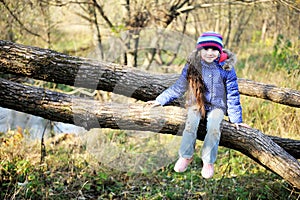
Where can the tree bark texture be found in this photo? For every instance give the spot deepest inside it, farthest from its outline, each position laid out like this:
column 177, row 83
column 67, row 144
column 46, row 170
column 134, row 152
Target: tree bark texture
column 55, row 67
column 169, row 119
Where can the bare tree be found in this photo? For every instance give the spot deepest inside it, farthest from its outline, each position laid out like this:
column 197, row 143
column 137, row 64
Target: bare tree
column 237, row 20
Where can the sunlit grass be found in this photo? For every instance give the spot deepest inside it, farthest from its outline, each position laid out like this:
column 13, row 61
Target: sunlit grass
column 271, row 118
column 71, row 170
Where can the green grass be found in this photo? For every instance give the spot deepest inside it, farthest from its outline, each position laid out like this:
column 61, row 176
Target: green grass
column 71, row 171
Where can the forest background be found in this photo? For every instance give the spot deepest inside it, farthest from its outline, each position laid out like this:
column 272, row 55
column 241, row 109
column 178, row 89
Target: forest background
column 265, row 35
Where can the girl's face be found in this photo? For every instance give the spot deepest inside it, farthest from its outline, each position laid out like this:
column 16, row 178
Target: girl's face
column 209, row 54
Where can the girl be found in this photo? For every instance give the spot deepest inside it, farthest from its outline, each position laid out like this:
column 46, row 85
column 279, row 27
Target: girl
column 211, row 83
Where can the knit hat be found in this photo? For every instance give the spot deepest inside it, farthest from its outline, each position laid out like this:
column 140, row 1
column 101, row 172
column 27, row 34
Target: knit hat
column 210, row 39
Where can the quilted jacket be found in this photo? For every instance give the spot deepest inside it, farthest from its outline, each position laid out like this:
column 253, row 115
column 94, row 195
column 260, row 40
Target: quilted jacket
column 221, row 85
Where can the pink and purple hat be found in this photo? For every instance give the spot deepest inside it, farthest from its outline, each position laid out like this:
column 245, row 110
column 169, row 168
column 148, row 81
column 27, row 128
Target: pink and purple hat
column 210, row 39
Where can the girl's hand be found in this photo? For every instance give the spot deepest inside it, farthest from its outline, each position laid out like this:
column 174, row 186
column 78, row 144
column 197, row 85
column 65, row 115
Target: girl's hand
column 237, row 125
column 153, row 103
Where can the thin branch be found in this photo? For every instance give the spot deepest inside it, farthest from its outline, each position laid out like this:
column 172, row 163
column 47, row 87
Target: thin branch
column 289, row 4
column 43, row 146
column 181, row 39
column 19, row 22
column 101, row 11
column 61, row 4
column 98, row 32
column 208, row 5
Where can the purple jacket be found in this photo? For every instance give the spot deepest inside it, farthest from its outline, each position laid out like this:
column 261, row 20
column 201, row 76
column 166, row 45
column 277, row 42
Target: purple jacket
column 221, row 89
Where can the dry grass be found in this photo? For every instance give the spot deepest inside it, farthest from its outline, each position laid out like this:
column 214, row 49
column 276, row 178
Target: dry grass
column 70, row 171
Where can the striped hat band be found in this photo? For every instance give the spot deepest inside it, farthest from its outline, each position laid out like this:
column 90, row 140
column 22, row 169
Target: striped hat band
column 210, row 39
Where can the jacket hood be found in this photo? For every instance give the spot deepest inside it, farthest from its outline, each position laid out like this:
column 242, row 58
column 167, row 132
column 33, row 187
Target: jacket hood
column 194, row 59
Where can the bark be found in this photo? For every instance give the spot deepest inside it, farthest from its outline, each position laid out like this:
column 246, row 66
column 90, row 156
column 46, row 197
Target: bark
column 55, row 67
column 170, row 120
column 270, row 92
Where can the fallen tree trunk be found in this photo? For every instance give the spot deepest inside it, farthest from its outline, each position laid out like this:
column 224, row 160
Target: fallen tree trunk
column 55, row 67
column 92, row 114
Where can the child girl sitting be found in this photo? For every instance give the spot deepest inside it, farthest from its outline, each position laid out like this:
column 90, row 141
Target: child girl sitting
column 212, row 92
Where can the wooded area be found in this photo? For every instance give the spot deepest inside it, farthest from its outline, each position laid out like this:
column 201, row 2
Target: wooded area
column 48, row 65
column 240, row 22
column 135, row 48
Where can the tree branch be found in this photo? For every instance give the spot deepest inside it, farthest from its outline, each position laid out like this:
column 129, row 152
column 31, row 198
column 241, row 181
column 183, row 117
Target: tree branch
column 56, row 67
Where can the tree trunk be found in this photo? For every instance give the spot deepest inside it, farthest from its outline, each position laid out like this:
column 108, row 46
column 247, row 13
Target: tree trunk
column 55, row 67
column 90, row 114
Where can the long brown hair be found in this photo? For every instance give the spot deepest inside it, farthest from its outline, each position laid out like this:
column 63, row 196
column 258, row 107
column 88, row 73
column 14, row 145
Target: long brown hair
column 195, row 80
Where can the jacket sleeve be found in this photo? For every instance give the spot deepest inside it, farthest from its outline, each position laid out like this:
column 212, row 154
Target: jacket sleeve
column 234, row 108
column 176, row 90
